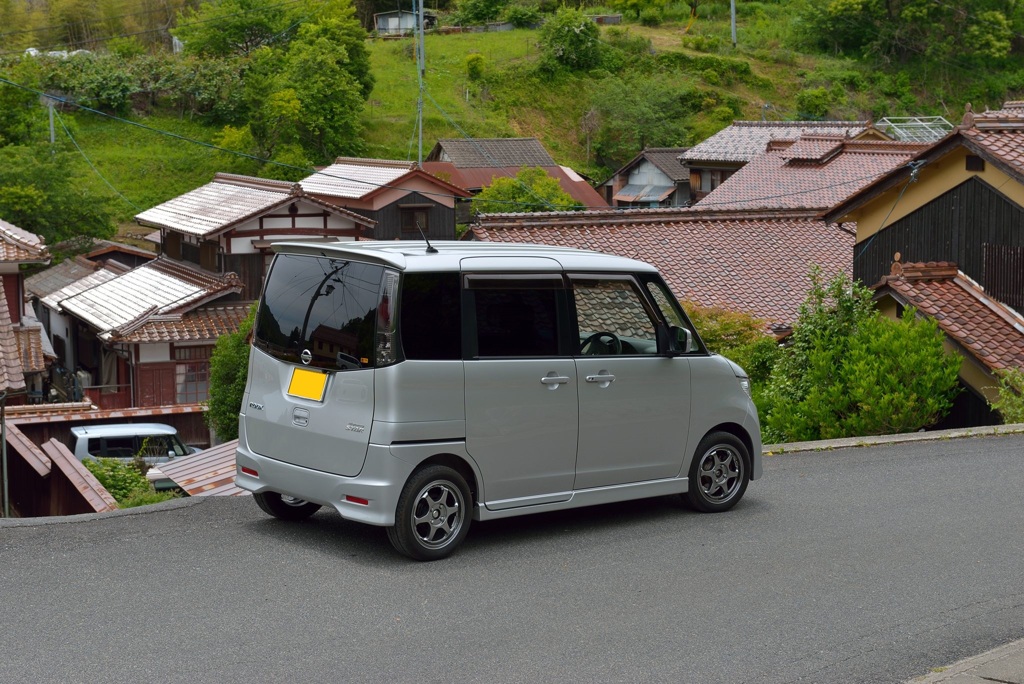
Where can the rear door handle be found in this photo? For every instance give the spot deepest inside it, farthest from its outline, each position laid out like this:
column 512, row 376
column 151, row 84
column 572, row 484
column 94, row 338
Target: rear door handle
column 606, row 377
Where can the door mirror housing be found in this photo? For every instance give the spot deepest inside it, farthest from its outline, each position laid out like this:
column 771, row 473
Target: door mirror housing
column 674, row 340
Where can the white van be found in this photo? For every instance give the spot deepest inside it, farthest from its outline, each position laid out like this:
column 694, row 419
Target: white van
column 153, row 442
column 421, row 387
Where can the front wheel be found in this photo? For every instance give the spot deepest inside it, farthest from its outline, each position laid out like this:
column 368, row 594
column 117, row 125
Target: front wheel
column 719, row 473
column 433, row 514
column 285, row 507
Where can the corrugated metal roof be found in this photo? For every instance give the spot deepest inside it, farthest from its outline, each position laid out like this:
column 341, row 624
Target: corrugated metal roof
column 93, row 279
column 644, row 193
column 63, row 274
column 19, row 246
column 354, row 178
column 209, row 473
column 491, row 152
column 158, row 287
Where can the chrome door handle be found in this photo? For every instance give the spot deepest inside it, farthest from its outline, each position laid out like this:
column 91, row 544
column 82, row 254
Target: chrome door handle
column 606, row 377
column 554, row 380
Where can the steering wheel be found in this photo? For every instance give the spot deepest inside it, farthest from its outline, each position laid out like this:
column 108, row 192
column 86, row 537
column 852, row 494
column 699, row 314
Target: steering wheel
column 613, row 343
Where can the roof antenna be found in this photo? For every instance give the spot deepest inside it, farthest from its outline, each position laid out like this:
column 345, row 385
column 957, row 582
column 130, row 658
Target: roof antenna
column 430, row 250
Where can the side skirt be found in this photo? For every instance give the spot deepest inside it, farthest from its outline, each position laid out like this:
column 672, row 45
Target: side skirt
column 587, row 497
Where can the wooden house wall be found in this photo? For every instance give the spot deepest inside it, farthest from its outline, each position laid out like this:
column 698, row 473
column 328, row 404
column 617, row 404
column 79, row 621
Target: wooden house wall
column 960, row 225
column 389, row 226
column 249, row 268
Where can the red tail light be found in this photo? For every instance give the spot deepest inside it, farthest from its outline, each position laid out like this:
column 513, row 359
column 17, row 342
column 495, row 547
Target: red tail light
column 248, row 471
column 357, row 500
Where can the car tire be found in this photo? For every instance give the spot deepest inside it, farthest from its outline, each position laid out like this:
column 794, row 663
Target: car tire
column 285, row 507
column 433, row 514
column 719, row 473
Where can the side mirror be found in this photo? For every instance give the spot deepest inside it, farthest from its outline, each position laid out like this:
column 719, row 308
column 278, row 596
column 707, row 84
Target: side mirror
column 674, row 340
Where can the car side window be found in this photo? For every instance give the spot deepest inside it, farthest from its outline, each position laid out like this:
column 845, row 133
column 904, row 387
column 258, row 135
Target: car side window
column 612, row 318
column 515, row 316
column 118, row 447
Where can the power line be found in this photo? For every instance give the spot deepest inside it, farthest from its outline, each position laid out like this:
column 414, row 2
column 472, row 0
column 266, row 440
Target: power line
column 91, row 165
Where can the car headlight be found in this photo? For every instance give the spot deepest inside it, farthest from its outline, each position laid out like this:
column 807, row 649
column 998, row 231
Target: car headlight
column 744, row 384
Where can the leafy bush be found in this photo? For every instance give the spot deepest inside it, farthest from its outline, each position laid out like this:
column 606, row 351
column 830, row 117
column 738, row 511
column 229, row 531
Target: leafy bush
column 570, row 40
column 229, row 369
column 531, row 190
column 1010, row 403
column 475, row 66
column 475, row 12
column 521, row 16
column 850, row 371
column 117, row 477
column 702, row 42
column 813, row 103
column 651, row 16
column 738, row 336
column 627, row 42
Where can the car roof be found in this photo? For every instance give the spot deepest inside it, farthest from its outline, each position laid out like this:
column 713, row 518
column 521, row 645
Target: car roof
column 123, row 429
column 458, row 255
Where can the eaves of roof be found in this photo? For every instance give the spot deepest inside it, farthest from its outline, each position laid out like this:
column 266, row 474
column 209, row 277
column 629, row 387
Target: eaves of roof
column 18, row 246
column 449, row 188
column 12, row 373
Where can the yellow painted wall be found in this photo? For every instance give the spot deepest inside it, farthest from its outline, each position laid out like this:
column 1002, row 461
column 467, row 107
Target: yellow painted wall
column 934, row 179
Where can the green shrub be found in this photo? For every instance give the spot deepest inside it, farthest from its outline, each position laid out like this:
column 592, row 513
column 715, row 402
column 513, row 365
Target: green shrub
column 117, row 477
column 813, row 103
column 850, row 371
column 521, row 16
column 229, row 369
column 475, row 66
column 571, row 40
column 144, row 497
column 702, row 42
column 627, row 42
column 1010, row 403
column 651, row 16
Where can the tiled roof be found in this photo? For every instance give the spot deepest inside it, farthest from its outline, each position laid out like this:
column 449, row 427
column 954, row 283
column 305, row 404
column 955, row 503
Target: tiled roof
column 56, row 277
column 491, row 152
column 744, row 140
column 227, row 201
column 745, row 262
column 93, row 279
column 12, row 373
column 211, row 472
column 1005, row 145
column 667, row 161
column 990, row 331
column 33, row 346
column 813, row 173
column 355, row 178
column 204, row 324
column 161, row 286
column 20, row 246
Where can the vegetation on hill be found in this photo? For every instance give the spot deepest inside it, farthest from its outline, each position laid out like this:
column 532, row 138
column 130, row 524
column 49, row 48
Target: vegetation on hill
column 272, row 88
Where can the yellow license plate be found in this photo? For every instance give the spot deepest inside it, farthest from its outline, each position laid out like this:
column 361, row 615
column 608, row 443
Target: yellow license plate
column 308, row 384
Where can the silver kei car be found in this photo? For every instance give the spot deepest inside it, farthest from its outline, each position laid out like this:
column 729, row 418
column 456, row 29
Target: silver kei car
column 420, row 387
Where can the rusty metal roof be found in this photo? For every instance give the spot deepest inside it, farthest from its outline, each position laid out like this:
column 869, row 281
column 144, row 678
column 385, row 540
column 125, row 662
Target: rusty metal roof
column 161, row 286
column 209, row 473
column 19, row 246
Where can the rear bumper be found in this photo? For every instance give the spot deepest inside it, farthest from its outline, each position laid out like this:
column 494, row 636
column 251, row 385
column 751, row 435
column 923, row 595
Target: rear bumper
column 379, row 483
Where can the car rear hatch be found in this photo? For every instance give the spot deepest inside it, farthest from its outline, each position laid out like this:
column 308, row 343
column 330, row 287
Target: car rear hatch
column 322, row 326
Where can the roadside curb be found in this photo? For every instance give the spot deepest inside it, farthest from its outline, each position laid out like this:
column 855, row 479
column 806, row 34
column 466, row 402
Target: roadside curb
column 1002, row 664
column 848, row 442
column 119, row 513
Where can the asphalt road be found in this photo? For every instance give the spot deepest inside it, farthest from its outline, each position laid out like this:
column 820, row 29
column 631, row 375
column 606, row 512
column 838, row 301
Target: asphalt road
column 859, row 565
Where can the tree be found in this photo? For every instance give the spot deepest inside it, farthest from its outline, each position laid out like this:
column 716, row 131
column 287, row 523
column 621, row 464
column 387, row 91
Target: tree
column 232, row 27
column 849, row 371
column 38, row 194
column 571, row 40
column 531, row 190
column 229, row 366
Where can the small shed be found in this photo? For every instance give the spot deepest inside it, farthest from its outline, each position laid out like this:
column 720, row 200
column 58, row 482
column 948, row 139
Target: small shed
column 399, row 22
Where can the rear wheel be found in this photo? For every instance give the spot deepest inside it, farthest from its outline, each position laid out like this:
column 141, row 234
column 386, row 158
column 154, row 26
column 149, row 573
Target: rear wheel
column 719, row 473
column 433, row 514
column 285, row 507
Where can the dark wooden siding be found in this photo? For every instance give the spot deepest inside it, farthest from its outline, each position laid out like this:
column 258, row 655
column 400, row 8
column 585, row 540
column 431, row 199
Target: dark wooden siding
column 249, row 268
column 1004, row 274
column 389, row 225
column 960, row 225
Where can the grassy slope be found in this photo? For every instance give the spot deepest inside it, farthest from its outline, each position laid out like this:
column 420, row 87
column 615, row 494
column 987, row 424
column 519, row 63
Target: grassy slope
column 149, row 168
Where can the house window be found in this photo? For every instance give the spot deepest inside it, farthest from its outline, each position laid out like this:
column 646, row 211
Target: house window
column 192, row 374
column 412, row 214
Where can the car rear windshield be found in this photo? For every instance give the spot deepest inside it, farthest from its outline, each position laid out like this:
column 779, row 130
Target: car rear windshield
column 320, row 311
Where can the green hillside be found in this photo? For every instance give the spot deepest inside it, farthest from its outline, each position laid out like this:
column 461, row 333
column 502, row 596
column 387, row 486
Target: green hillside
column 663, row 78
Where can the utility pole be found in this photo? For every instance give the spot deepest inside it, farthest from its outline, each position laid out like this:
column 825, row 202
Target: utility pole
column 421, row 67
column 732, row 15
